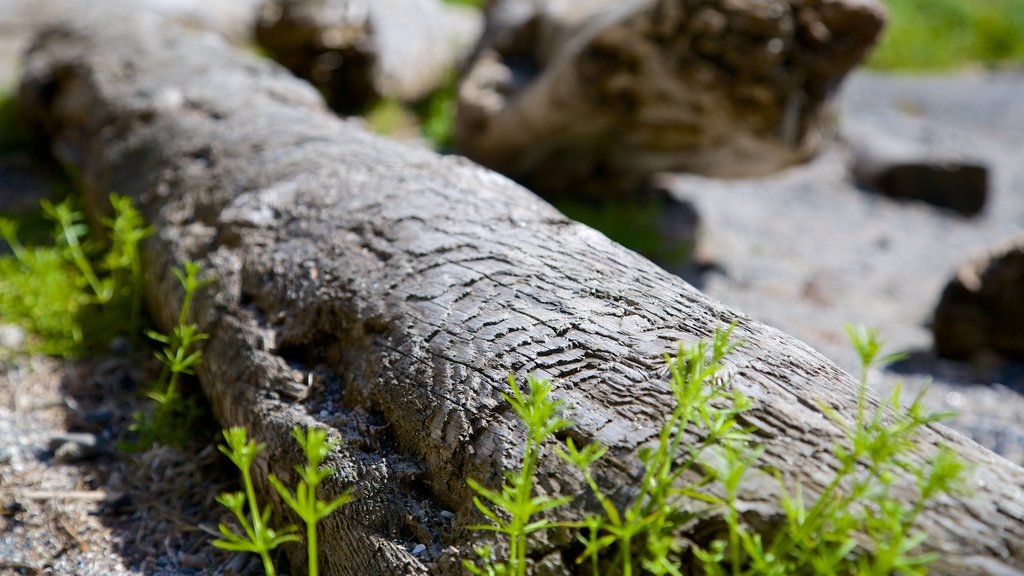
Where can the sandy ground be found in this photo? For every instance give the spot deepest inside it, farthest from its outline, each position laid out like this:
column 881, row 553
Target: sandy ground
column 70, row 508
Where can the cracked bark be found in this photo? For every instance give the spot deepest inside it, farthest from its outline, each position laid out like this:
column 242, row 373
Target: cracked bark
column 385, row 293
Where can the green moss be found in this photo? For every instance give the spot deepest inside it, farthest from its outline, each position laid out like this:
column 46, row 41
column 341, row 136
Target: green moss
column 947, row 34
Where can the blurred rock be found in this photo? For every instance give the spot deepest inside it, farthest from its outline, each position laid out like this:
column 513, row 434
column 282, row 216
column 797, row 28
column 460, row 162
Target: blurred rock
column 12, row 337
column 570, row 95
column 908, row 169
column 358, row 51
column 982, row 308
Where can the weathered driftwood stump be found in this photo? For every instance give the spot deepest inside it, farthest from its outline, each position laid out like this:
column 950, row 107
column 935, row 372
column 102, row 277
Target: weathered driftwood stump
column 385, row 293
column 361, row 50
column 981, row 309
column 591, row 96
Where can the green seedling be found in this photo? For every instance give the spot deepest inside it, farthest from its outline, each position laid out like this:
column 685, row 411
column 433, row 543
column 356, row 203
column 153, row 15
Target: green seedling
column 855, row 526
column 822, row 537
column 304, row 500
column 170, row 421
column 645, row 534
column 258, row 537
column 511, row 510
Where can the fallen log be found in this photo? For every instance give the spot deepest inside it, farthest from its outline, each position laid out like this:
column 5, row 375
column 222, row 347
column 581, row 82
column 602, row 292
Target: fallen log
column 385, row 293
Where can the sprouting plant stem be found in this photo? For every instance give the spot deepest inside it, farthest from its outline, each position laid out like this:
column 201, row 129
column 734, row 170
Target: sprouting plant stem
column 257, row 520
column 311, row 552
column 9, row 232
column 67, row 219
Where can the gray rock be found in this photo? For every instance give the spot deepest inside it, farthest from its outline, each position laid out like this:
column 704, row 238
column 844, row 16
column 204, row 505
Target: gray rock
column 918, row 168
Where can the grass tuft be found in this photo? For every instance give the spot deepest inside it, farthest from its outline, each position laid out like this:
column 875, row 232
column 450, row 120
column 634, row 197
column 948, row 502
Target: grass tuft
column 78, row 293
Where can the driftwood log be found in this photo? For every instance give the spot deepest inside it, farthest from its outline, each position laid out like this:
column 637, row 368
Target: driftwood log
column 607, row 92
column 385, row 293
column 358, row 51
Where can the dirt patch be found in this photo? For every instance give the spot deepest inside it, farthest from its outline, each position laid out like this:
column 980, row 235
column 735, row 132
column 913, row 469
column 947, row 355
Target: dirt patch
column 68, row 507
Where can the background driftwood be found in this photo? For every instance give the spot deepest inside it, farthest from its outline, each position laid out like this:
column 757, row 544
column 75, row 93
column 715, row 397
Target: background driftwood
column 385, row 293
column 359, row 51
column 608, row 92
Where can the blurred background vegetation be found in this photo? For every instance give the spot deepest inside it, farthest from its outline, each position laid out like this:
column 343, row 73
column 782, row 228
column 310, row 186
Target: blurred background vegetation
column 934, row 35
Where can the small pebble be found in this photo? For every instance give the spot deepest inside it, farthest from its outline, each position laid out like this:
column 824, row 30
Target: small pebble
column 72, row 446
column 12, row 336
column 419, row 549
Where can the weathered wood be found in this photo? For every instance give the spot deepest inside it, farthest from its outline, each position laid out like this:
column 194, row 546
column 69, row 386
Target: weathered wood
column 607, row 92
column 361, row 50
column 385, row 293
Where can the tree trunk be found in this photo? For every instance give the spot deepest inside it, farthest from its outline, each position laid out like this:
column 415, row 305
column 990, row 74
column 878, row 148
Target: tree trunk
column 385, row 293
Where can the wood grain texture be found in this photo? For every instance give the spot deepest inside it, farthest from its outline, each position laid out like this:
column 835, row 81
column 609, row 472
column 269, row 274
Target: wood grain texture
column 385, row 293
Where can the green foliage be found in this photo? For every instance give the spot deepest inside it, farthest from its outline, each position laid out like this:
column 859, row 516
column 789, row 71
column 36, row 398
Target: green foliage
column 477, row 3
column 511, row 509
column 257, row 536
column 650, row 525
column 945, row 34
column 304, row 500
column 819, row 537
column 434, row 118
column 437, row 113
column 171, row 420
column 75, row 295
column 631, row 223
column 390, row 118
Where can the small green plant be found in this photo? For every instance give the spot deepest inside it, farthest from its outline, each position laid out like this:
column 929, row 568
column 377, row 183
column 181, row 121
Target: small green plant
column 259, row 537
column 437, row 113
column 815, row 538
column 650, row 525
column 511, row 510
column 304, row 500
column 170, row 422
column 822, row 538
column 75, row 295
